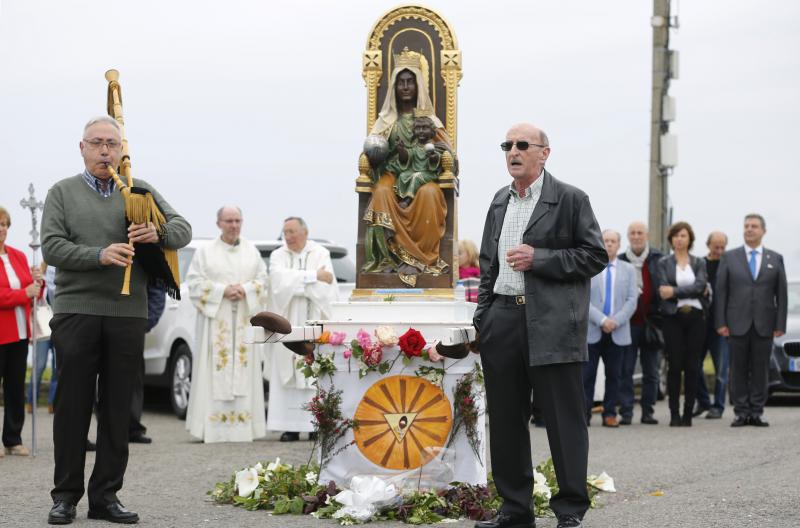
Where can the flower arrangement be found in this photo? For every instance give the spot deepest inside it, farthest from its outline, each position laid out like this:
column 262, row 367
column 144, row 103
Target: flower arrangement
column 317, row 366
column 329, row 422
column 368, row 354
column 284, row 489
column 465, row 409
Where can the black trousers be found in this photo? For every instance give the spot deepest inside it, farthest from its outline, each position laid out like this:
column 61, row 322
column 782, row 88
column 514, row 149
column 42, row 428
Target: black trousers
column 749, row 375
column 558, row 393
column 13, row 364
column 136, row 428
column 684, row 339
column 106, row 352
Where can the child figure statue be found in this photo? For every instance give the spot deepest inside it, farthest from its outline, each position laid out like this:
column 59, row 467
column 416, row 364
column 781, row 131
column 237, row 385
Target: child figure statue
column 418, row 163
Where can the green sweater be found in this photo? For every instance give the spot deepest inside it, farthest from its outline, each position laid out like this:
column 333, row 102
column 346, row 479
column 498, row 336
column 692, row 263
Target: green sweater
column 77, row 223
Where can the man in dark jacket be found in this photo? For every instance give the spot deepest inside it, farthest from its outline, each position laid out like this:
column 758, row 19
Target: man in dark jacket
column 541, row 246
column 644, row 259
column 750, row 310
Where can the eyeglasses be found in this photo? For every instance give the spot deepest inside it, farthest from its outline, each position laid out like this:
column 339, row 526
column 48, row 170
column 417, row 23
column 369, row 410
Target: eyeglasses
column 505, row 146
column 99, row 143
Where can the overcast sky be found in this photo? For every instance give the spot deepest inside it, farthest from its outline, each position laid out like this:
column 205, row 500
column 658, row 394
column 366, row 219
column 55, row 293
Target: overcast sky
column 262, row 104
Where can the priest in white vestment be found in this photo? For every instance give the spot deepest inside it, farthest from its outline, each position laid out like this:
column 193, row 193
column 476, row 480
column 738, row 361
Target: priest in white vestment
column 227, row 282
column 302, row 287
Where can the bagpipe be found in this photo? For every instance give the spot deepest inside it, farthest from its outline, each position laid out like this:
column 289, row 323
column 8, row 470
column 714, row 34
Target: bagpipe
column 160, row 264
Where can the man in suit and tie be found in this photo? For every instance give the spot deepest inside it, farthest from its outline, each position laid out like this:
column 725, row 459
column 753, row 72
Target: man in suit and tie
column 541, row 246
column 614, row 295
column 750, row 310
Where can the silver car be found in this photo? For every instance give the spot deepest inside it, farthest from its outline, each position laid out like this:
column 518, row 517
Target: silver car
column 168, row 347
column 784, row 369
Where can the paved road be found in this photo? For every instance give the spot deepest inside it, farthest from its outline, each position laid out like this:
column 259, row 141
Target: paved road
column 711, row 476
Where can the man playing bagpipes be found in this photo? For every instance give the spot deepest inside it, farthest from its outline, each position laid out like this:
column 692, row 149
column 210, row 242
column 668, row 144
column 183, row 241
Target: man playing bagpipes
column 97, row 329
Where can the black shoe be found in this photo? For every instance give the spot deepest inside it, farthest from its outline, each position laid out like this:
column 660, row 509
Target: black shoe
column 649, row 419
column 290, row 436
column 740, row 421
column 626, row 420
column 714, row 414
column 62, row 512
column 90, row 446
column 504, row 520
column 675, row 420
column 698, row 410
column 569, row 521
column 758, row 422
column 686, row 421
column 140, row 439
column 115, row 513
column 312, row 436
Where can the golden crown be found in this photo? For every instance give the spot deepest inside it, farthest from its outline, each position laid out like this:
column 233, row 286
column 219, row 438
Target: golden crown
column 409, row 59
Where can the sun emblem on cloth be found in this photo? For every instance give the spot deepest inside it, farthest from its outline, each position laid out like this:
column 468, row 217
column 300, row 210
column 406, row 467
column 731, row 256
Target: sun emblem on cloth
column 400, row 418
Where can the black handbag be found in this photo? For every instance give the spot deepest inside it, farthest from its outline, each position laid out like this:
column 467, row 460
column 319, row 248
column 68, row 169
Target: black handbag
column 653, row 339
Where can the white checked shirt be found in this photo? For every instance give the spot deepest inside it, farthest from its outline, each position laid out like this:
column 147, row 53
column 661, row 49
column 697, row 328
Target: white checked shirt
column 518, row 213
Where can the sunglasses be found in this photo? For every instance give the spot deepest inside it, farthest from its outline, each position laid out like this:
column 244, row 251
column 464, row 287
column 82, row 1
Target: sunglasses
column 505, row 146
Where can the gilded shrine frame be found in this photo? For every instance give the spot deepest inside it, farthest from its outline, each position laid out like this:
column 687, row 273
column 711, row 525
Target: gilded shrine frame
column 424, row 31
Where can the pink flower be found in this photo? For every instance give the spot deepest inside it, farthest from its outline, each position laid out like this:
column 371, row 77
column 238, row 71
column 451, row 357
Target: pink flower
column 373, row 355
column 433, row 355
column 364, row 340
column 337, row 338
column 347, row 353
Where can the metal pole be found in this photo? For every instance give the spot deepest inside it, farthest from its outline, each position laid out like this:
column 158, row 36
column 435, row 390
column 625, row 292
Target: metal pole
column 34, row 205
column 657, row 217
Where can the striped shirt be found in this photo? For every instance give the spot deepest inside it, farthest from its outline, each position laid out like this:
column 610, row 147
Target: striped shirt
column 95, row 184
column 518, row 213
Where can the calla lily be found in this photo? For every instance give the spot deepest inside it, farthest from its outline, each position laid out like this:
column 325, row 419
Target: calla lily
column 274, row 466
column 259, row 468
column 604, row 482
column 246, row 481
column 540, row 486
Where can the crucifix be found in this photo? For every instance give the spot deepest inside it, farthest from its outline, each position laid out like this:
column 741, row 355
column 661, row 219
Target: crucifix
column 34, row 205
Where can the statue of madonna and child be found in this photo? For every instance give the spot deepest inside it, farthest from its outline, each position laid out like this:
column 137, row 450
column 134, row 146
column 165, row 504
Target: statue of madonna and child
column 406, row 147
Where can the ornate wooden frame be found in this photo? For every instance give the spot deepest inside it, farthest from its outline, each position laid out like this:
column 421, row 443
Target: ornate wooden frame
column 409, row 26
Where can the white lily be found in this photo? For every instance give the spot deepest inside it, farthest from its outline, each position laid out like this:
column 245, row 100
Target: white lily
column 272, row 466
column 540, row 486
column 259, row 468
column 604, row 482
column 311, row 477
column 246, row 481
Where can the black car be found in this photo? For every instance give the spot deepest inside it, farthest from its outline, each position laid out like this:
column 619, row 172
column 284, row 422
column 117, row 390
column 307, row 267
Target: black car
column 784, row 368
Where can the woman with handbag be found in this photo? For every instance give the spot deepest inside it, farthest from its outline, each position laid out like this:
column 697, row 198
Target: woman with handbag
column 44, row 347
column 682, row 280
column 17, row 288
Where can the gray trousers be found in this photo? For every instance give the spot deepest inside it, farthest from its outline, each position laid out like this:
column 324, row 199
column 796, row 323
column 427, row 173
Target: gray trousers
column 749, row 372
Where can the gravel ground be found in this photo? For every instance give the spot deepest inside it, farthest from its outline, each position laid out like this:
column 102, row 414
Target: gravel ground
column 710, row 475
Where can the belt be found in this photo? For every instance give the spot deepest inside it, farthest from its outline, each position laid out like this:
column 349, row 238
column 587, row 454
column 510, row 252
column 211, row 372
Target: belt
column 510, row 300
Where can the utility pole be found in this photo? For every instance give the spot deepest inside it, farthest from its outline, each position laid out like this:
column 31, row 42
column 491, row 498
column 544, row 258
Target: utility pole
column 663, row 145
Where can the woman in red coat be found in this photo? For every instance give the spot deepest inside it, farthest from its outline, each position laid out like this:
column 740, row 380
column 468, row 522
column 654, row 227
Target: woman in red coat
column 17, row 288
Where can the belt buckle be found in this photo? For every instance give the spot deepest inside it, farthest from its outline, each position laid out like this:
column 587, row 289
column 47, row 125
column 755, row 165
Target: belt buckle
column 685, row 309
column 519, row 299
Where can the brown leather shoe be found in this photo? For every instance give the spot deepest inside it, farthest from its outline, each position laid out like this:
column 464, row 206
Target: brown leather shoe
column 610, row 421
column 18, row 450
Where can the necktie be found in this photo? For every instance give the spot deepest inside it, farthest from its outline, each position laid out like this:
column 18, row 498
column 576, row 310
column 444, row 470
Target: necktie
column 607, row 301
column 752, row 263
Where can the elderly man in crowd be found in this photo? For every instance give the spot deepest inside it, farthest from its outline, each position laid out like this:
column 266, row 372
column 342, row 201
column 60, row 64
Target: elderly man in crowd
column 98, row 333
column 613, row 301
column 644, row 260
column 716, row 345
column 302, row 287
column 227, row 282
column 541, row 245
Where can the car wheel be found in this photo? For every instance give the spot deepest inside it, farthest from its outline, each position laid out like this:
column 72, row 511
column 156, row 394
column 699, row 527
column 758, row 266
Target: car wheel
column 180, row 380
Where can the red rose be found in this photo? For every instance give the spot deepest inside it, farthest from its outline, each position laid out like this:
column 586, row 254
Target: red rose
column 412, row 343
column 467, row 401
